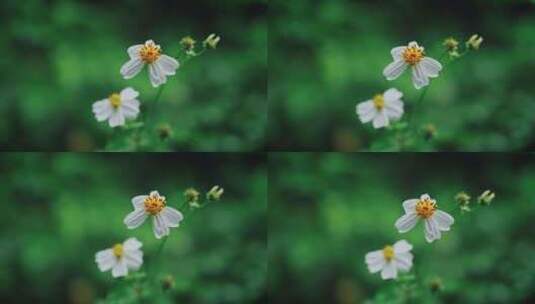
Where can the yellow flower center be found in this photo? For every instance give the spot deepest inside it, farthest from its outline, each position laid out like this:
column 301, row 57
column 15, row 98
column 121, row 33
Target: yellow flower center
column 379, row 101
column 118, row 250
column 388, row 253
column 154, row 204
column 426, row 208
column 115, row 100
column 150, row 52
column 413, row 54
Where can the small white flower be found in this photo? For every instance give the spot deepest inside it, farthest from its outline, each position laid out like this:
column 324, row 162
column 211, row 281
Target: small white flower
column 117, row 107
column 412, row 55
column 163, row 217
column 382, row 108
column 160, row 65
column 426, row 209
column 390, row 259
column 120, row 258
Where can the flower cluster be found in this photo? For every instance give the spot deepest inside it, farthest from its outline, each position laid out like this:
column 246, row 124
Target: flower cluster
column 388, row 107
column 119, row 107
column 127, row 256
column 398, row 257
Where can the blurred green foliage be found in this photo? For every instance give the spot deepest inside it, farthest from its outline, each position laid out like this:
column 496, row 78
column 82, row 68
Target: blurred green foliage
column 327, row 56
column 60, row 56
column 328, row 210
column 58, row 210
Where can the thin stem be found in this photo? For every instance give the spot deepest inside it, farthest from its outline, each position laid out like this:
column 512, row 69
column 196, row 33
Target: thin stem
column 154, row 269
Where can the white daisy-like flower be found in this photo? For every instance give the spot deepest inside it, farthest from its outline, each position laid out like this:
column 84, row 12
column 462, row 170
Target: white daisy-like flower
column 120, row 258
column 160, row 65
column 154, row 205
column 117, row 107
column 426, row 209
column 382, row 108
column 390, row 259
column 412, row 56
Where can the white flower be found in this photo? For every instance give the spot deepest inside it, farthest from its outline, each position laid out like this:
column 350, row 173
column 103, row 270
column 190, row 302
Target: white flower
column 382, row 108
column 426, row 209
column 160, row 65
column 154, row 205
column 120, row 258
column 390, row 259
column 414, row 56
column 117, row 107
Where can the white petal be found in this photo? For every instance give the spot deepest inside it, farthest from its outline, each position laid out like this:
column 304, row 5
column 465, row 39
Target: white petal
column 132, row 244
column 159, row 226
column 375, row 261
column 131, row 68
column 380, row 120
column 366, row 111
column 431, row 230
column 406, row 222
column 414, row 44
column 102, row 109
column 410, row 205
column 443, row 220
column 135, row 218
column 105, row 260
column 133, row 259
column 393, row 109
column 116, row 119
column 389, row 271
column 397, row 52
column 168, row 64
column 130, row 108
column 394, row 69
column 156, row 75
column 430, row 67
column 120, row 269
column 419, row 80
column 392, row 94
column 133, row 51
column 154, row 193
column 403, row 261
column 172, row 216
column 128, row 93
column 138, row 201
column 402, row 246
column 425, row 197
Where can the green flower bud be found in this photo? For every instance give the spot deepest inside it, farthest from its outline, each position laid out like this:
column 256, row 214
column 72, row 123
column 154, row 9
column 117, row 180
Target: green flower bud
column 486, row 198
column 192, row 197
column 215, row 193
column 474, row 42
column 211, row 41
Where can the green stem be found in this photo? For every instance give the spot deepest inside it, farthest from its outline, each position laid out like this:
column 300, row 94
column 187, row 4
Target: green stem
column 154, row 269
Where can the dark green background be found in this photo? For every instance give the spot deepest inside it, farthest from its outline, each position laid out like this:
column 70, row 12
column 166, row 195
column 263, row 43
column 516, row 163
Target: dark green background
column 326, row 56
column 58, row 210
column 328, row 210
column 60, row 56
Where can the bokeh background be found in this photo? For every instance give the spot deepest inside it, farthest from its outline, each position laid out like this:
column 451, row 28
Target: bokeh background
column 328, row 210
column 326, row 56
column 60, row 56
column 58, row 210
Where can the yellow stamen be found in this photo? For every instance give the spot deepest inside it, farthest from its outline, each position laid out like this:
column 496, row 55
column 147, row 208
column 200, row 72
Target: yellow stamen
column 115, row 100
column 413, row 54
column 150, row 52
column 154, row 204
column 118, row 250
column 425, row 208
column 388, row 253
column 379, row 101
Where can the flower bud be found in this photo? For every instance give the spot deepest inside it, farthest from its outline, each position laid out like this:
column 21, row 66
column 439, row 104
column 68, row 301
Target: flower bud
column 165, row 131
column 486, row 198
column 435, row 285
column 474, row 42
column 168, row 282
column 192, row 197
column 430, row 131
column 211, row 41
column 215, row 193
column 188, row 43
column 451, row 44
